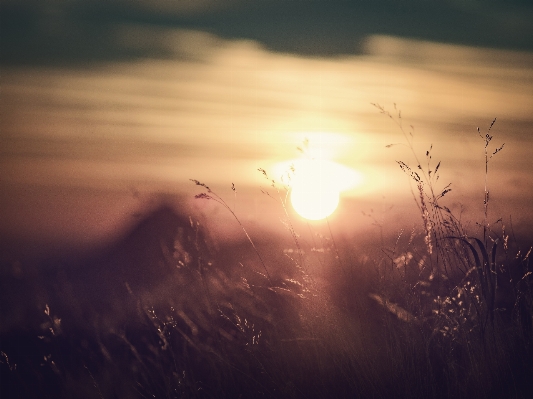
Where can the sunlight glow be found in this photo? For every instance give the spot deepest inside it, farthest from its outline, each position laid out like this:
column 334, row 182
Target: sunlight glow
column 324, row 145
column 314, row 194
column 316, row 186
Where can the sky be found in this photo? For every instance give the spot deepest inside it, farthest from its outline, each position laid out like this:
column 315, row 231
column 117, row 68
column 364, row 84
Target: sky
column 85, row 31
column 106, row 107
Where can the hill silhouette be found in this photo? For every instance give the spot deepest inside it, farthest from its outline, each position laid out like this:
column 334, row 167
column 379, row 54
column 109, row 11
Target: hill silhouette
column 137, row 266
column 115, row 314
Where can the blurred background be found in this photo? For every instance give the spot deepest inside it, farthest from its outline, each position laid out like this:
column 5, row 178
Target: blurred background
column 107, row 108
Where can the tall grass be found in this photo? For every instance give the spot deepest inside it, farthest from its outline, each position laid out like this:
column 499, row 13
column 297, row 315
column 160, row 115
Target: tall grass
column 438, row 314
column 473, row 306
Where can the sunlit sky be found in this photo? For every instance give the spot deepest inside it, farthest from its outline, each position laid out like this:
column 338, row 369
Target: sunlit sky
column 85, row 137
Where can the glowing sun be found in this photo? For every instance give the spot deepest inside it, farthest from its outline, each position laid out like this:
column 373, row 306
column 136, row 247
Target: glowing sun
column 316, row 188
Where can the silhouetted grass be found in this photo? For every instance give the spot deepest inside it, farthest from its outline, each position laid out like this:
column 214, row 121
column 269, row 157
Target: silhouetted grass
column 164, row 313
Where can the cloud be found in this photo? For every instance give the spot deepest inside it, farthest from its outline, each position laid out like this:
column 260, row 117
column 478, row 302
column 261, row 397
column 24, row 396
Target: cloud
column 84, row 31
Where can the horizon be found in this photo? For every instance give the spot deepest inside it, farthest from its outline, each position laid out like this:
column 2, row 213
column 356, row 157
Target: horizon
column 84, row 148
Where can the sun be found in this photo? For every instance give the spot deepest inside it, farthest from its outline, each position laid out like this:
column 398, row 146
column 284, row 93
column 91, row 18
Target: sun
column 315, row 189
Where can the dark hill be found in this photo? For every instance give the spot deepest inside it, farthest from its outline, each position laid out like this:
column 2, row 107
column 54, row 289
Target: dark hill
column 148, row 306
column 136, row 267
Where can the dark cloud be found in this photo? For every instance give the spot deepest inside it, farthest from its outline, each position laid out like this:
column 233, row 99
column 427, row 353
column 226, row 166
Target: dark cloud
column 83, row 31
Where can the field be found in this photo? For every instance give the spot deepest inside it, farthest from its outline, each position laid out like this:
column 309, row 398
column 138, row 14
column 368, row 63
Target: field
column 167, row 312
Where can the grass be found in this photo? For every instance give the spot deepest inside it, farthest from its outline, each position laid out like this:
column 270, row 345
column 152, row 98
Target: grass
column 165, row 314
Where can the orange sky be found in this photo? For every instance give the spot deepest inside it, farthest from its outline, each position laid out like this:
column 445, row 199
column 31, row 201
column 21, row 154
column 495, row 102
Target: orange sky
column 221, row 109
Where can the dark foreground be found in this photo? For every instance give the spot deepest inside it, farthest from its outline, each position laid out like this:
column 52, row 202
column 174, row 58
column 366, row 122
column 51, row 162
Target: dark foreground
column 164, row 313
